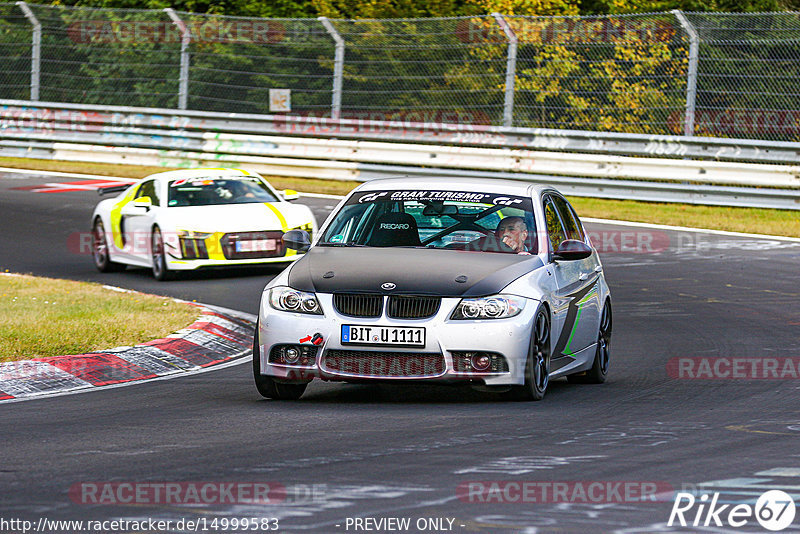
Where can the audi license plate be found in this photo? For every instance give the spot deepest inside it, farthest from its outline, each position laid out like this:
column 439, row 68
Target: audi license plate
column 257, row 245
column 383, row 335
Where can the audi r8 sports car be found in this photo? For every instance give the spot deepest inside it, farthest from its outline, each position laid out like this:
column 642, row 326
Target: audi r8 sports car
column 187, row 219
column 491, row 283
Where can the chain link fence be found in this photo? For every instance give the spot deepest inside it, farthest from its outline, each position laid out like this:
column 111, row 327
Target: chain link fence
column 98, row 56
column 748, row 75
column 236, row 61
column 15, row 51
column 709, row 74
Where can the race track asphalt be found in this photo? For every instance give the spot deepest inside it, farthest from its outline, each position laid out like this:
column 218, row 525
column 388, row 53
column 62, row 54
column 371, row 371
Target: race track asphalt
column 364, row 451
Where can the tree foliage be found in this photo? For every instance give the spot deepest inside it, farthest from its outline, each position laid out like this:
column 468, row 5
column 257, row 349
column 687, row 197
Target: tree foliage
column 372, row 9
column 427, row 60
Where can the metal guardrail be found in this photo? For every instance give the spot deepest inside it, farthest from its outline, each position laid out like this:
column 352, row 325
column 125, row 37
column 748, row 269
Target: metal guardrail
column 580, row 163
column 32, row 117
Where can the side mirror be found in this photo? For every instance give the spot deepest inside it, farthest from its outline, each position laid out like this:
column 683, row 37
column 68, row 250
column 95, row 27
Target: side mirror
column 290, row 194
column 143, row 202
column 297, row 240
column 571, row 250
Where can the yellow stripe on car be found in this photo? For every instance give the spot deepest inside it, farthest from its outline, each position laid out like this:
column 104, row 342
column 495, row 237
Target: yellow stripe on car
column 214, row 247
column 116, row 216
column 284, row 225
column 279, row 215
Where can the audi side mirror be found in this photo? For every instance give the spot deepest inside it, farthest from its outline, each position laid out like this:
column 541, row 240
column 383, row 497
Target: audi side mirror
column 143, row 202
column 290, row 194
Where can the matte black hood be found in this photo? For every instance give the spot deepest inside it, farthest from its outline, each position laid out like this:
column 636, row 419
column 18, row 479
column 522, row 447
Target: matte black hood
column 446, row 273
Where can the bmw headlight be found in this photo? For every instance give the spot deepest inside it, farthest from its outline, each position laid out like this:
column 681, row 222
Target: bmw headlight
column 494, row 307
column 292, row 300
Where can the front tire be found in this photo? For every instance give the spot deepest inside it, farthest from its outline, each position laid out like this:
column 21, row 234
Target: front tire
column 266, row 385
column 602, row 356
column 100, row 250
column 537, row 366
column 160, row 270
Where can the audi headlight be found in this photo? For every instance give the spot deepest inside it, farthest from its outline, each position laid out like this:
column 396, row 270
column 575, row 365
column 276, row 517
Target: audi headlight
column 189, row 234
column 292, row 300
column 494, row 307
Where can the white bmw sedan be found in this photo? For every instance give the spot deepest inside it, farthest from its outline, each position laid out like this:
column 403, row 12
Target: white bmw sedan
column 494, row 284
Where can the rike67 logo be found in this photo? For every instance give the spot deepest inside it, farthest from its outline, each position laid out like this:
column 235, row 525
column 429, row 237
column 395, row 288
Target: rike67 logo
column 774, row 510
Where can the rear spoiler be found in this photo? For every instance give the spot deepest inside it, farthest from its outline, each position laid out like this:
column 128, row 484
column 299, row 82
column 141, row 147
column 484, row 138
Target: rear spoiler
column 113, row 189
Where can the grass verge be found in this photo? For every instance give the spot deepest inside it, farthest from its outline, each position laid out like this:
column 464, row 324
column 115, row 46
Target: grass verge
column 748, row 220
column 47, row 317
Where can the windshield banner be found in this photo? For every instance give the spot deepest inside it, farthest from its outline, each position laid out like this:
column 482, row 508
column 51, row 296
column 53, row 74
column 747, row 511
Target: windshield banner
column 442, row 196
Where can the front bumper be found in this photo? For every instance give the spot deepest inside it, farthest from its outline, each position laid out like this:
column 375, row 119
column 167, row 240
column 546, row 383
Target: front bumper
column 190, row 265
column 189, row 250
column 509, row 338
column 178, row 259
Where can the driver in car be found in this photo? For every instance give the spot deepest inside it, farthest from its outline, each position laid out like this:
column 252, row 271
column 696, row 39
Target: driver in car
column 513, row 232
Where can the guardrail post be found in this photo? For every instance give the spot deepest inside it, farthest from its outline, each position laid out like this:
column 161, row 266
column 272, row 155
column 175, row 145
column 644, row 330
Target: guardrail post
column 511, row 69
column 36, row 49
column 338, row 68
column 186, row 38
column 691, row 78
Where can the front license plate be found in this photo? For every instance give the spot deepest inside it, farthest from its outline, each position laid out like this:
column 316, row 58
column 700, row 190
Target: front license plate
column 257, row 245
column 383, row 335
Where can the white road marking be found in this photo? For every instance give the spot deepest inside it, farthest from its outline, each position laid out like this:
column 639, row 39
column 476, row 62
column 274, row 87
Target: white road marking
column 339, row 197
column 780, row 472
column 688, row 229
column 10, row 170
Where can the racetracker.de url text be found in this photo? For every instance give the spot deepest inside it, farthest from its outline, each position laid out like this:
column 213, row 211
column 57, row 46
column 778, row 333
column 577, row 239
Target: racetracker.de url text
column 44, row 525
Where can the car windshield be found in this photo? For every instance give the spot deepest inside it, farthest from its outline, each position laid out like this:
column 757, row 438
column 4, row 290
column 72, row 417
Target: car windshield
column 464, row 220
column 207, row 191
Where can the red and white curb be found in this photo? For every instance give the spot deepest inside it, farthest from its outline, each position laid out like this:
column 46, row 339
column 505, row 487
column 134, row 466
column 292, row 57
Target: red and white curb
column 217, row 337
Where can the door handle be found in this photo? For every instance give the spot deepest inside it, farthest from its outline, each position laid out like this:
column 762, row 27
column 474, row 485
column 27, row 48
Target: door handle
column 598, row 269
column 583, row 277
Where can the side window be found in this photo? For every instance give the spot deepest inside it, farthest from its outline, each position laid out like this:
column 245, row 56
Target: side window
column 569, row 218
column 148, row 189
column 555, row 230
column 350, row 225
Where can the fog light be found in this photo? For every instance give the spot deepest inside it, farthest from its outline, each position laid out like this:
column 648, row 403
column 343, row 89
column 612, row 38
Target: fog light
column 480, row 361
column 291, row 355
column 302, row 355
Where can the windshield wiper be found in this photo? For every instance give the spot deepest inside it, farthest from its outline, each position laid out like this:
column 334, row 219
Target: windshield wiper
column 341, row 245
